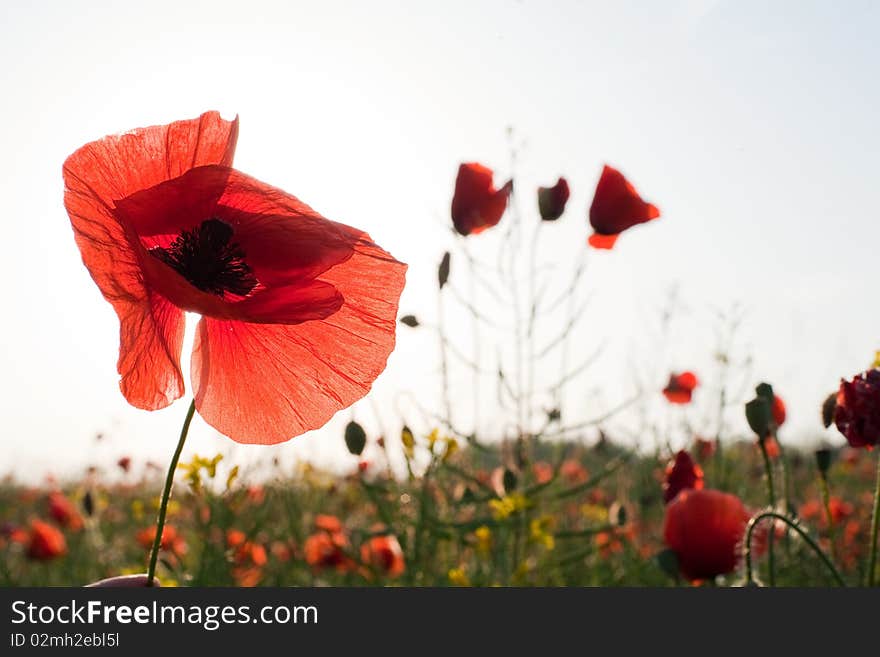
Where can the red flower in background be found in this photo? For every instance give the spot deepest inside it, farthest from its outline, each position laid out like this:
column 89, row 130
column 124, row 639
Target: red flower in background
column 680, row 388
column 298, row 312
column 385, row 554
column 616, row 206
column 681, row 474
column 857, row 414
column 704, row 528
column 552, row 200
column 46, row 542
column 124, row 463
column 64, row 512
column 171, row 540
column 476, row 204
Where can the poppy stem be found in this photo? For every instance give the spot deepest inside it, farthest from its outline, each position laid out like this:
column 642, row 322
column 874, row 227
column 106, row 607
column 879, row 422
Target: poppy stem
column 166, row 494
column 803, row 534
column 826, row 502
column 768, row 466
column 875, row 527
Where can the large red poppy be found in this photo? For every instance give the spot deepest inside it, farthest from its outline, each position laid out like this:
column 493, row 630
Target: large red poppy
column 857, row 413
column 298, row 312
column 616, row 207
column 476, row 204
column 705, row 529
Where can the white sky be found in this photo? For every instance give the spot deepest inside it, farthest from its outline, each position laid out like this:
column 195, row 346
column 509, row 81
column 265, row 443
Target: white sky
column 752, row 125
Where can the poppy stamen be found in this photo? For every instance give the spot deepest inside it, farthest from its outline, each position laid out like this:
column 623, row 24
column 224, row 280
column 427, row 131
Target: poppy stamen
column 207, row 258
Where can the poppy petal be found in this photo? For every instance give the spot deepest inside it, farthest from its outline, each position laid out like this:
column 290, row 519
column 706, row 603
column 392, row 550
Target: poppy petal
column 598, row 241
column 265, row 383
column 94, row 176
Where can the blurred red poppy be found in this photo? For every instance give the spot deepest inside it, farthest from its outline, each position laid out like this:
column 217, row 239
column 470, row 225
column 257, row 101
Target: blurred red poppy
column 616, row 207
column 46, row 542
column 476, row 204
column 704, row 448
column 327, row 550
column 328, row 523
column 681, row 474
column 298, row 312
column 680, row 388
column 772, row 447
column 385, row 554
column 704, row 529
column 234, row 538
column 777, row 408
column 171, row 540
column 573, row 471
column 542, row 471
column 857, row 414
column 64, row 512
column 124, row 463
column 552, row 200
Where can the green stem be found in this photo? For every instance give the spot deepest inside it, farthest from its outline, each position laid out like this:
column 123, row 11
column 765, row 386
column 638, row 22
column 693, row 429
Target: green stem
column 771, row 535
column 166, row 494
column 774, row 514
column 875, row 526
column 826, row 501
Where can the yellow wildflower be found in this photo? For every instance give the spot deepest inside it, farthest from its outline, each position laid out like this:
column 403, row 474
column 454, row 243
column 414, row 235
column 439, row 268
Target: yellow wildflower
column 508, row 505
column 457, row 577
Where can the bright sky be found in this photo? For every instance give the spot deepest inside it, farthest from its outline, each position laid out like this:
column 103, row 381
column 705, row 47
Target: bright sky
column 752, row 125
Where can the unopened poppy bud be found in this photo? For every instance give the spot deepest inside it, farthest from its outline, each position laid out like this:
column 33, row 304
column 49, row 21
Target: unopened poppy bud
column 828, row 407
column 765, row 390
column 823, row 460
column 758, row 416
column 443, row 270
column 355, row 438
column 88, row 504
column 409, row 320
column 668, row 562
column 617, row 514
column 509, row 480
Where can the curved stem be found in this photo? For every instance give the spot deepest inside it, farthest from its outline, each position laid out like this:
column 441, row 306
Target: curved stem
column 166, row 493
column 875, row 526
column 826, row 501
column 768, row 466
column 779, row 516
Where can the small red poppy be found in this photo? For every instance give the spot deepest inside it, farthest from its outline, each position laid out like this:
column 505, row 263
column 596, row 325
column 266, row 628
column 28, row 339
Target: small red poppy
column 476, row 204
column 64, row 512
column 704, row 528
column 680, row 388
column 552, row 200
column 385, row 554
column 298, row 312
column 171, row 540
column 327, row 550
column 857, row 413
column 46, row 542
column 616, row 207
column 124, row 463
column 681, row 474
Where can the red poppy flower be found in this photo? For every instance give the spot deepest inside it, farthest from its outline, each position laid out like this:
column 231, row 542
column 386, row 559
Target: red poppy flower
column 857, row 414
column 704, row 528
column 124, row 463
column 777, row 409
column 680, row 387
column 704, row 448
column 552, row 200
column 476, row 204
column 171, row 540
column 64, row 512
column 46, row 542
column 681, row 474
column 328, row 523
column 616, row 206
column 235, row 538
column 542, row 471
column 573, row 471
column 298, row 312
column 327, row 550
column 385, row 554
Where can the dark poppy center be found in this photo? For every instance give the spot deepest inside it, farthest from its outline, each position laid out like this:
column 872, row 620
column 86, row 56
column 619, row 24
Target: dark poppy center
column 207, row 257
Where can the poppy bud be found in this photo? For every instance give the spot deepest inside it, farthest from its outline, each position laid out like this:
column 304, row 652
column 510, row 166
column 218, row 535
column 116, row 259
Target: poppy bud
column 355, row 438
column 617, row 514
column 509, row 480
column 552, row 200
column 443, row 270
column 758, row 415
column 88, row 504
column 765, row 390
column 409, row 320
column 823, row 460
column 828, row 407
